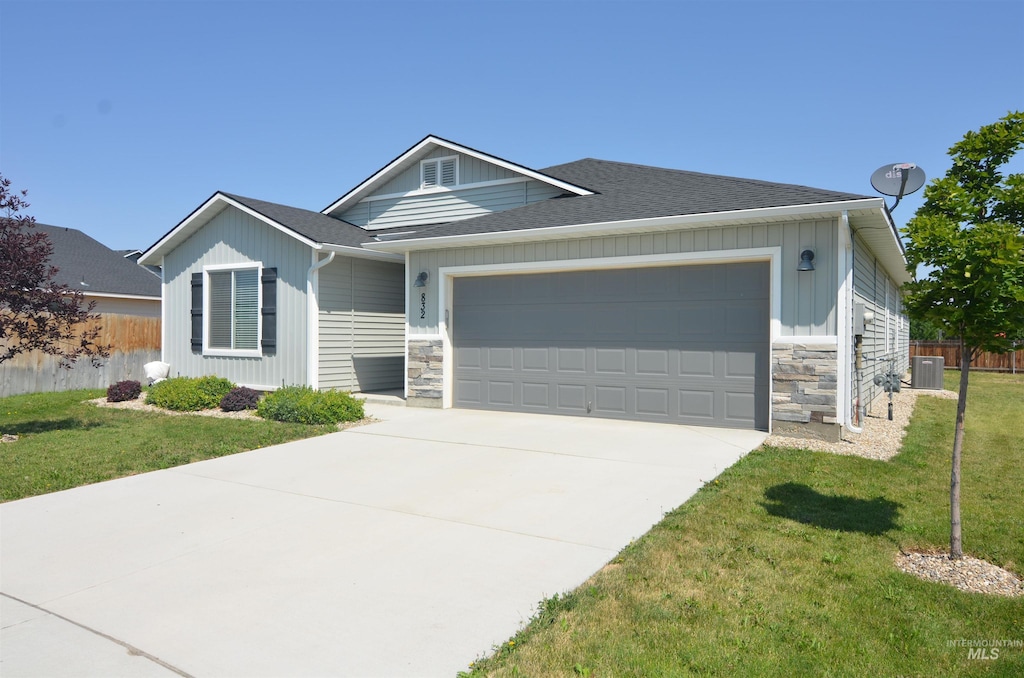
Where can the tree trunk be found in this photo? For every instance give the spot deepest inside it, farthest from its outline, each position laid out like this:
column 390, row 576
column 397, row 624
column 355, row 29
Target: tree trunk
column 956, row 550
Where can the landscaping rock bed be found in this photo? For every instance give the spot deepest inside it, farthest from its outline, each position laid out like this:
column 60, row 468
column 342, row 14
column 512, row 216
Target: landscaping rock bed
column 966, row 574
column 141, row 404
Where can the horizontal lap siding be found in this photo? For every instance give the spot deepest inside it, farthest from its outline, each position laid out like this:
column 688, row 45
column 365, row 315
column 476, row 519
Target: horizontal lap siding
column 362, row 325
column 459, row 203
column 808, row 299
column 335, row 325
column 234, row 237
column 870, row 288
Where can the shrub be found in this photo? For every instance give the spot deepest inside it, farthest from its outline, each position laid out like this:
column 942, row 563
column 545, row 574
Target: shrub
column 303, row 405
column 123, row 390
column 240, row 398
column 189, row 395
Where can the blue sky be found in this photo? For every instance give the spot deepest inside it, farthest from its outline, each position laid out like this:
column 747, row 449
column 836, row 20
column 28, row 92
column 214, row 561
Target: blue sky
column 120, row 118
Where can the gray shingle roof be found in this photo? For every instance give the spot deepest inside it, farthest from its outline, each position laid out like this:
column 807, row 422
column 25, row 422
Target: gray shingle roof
column 79, row 257
column 314, row 226
column 625, row 191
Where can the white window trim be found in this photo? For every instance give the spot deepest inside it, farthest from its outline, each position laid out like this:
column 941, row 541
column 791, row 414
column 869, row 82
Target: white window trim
column 439, row 185
column 225, row 352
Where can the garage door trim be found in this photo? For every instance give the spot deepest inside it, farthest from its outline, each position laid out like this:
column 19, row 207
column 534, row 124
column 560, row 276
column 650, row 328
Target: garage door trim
column 446, row 275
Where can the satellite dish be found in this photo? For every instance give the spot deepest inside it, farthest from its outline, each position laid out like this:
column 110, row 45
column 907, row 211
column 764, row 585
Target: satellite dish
column 898, row 179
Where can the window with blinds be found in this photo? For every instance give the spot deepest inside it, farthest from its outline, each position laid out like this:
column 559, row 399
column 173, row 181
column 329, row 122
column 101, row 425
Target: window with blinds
column 234, row 310
column 439, row 172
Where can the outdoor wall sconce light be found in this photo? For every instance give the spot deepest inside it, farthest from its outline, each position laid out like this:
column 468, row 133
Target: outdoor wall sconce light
column 421, row 279
column 806, row 261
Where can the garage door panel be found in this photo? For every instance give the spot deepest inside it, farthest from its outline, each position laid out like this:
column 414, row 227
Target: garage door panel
column 652, row 362
column 684, row 344
column 537, row 396
column 740, row 364
column 738, row 406
column 500, row 393
column 697, row 404
column 469, row 393
column 572, row 397
column 652, row 402
column 609, row 361
column 610, row 400
column 696, row 363
column 571, row 359
column 536, row 359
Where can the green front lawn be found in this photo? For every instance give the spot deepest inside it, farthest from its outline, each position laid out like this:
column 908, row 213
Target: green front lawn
column 783, row 566
column 64, row 442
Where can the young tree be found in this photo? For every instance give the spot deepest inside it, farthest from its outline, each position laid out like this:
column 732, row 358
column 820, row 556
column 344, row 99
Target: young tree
column 35, row 312
column 971, row 231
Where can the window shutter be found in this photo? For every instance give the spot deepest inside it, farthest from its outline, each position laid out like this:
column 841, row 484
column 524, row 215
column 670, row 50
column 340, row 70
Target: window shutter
column 429, row 174
column 197, row 312
column 448, row 172
column 269, row 311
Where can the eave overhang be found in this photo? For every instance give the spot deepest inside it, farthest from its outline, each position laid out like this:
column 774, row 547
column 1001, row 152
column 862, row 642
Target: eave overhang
column 868, row 217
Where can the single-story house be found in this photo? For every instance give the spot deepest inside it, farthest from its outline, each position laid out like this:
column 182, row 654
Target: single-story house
column 127, row 299
column 105, row 276
column 592, row 288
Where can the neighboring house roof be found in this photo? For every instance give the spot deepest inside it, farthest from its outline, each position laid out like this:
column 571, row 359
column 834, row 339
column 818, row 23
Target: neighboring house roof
column 86, row 264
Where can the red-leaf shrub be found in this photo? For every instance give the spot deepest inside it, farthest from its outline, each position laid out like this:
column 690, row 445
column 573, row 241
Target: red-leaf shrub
column 240, row 398
column 123, row 390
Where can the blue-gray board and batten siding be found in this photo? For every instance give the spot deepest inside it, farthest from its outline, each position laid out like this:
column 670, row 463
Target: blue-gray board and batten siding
column 679, row 344
column 233, row 237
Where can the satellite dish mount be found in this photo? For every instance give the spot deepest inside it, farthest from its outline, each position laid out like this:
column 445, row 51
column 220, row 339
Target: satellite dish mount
column 898, row 179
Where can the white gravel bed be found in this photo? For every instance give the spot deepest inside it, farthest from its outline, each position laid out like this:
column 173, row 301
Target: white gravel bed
column 966, row 574
column 881, row 438
column 141, row 404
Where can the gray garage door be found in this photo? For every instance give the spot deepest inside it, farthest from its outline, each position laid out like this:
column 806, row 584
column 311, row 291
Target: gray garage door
column 680, row 344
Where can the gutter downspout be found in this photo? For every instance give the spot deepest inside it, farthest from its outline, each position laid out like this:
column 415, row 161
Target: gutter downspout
column 313, row 310
column 857, row 341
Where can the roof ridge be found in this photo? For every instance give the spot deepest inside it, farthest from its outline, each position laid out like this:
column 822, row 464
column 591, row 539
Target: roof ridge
column 757, row 182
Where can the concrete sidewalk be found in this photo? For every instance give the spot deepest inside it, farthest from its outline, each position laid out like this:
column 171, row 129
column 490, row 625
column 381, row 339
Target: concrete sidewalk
column 406, row 547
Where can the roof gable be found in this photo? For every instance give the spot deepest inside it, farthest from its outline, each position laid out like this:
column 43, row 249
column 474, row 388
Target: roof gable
column 388, row 181
column 314, row 229
column 86, row 264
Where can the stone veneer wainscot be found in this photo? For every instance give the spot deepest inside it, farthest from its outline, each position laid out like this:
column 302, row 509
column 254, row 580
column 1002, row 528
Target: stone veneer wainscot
column 426, row 373
column 804, row 390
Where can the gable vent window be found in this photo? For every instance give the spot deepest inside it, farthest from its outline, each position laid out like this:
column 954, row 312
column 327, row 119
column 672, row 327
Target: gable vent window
column 439, row 172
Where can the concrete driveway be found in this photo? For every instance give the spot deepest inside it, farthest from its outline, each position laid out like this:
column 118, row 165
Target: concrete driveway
column 408, row 547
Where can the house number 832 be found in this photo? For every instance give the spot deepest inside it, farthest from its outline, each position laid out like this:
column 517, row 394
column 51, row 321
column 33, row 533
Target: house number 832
column 423, row 304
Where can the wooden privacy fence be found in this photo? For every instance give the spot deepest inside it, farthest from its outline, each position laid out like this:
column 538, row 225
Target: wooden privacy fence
column 950, row 351
column 135, row 341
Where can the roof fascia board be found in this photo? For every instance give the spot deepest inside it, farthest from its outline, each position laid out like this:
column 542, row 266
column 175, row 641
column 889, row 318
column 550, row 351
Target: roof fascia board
column 115, row 295
column 158, row 247
column 362, row 253
column 598, row 228
column 356, row 193
column 217, row 197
